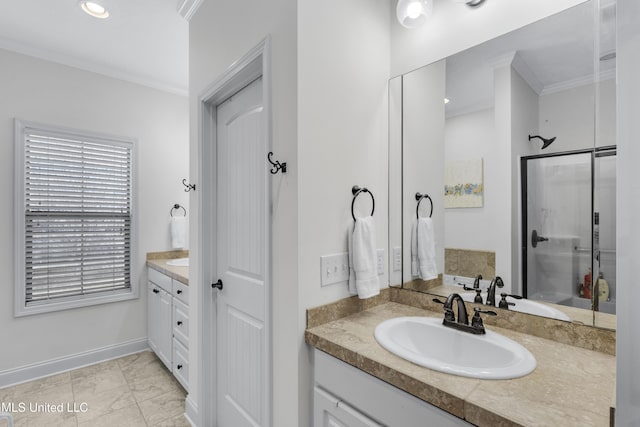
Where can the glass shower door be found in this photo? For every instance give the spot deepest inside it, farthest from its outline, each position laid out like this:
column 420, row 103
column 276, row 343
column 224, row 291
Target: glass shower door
column 557, row 229
column 605, row 231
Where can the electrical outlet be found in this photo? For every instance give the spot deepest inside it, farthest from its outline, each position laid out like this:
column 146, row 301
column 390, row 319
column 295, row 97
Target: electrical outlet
column 380, row 261
column 397, row 258
column 334, row 269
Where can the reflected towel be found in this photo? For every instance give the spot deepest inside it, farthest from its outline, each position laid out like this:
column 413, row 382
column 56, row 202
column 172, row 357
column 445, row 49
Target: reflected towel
column 423, row 250
column 363, row 264
column 178, row 232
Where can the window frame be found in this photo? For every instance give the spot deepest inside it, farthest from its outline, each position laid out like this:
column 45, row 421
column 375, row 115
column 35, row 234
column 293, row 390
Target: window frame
column 21, row 127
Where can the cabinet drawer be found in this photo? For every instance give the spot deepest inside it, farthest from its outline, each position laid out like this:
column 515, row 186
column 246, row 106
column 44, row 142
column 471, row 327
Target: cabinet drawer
column 181, row 364
column 181, row 291
column 181, row 322
column 159, row 279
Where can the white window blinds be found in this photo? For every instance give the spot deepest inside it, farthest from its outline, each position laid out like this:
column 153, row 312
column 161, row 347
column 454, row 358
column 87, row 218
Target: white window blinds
column 77, row 216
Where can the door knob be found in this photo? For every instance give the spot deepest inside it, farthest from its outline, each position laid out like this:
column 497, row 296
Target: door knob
column 536, row 238
column 218, row 284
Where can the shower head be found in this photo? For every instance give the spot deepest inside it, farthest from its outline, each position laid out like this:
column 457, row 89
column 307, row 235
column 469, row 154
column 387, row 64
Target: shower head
column 545, row 142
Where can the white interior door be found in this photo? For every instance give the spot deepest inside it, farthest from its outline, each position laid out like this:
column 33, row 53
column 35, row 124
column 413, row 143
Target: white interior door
column 243, row 223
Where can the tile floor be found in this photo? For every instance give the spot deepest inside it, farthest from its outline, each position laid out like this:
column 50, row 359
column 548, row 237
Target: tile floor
column 133, row 391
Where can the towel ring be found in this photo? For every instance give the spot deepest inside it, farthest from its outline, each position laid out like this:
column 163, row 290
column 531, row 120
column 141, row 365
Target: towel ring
column 355, row 190
column 177, row 206
column 419, row 198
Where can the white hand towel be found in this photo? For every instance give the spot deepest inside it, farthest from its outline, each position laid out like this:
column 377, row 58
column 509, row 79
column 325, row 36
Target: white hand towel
column 423, row 250
column 178, row 232
column 363, row 264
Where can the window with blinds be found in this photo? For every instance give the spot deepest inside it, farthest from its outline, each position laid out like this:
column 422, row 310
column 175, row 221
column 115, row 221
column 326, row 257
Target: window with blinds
column 77, row 207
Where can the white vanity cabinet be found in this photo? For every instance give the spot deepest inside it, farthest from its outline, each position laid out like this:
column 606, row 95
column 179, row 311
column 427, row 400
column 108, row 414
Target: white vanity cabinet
column 168, row 323
column 345, row 396
column 159, row 322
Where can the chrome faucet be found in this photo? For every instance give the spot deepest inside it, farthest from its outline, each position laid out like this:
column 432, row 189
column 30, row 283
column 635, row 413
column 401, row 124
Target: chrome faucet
column 491, row 292
column 461, row 320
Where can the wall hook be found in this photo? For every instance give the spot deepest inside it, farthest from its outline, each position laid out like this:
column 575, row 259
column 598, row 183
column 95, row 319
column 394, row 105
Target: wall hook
column 189, row 186
column 277, row 166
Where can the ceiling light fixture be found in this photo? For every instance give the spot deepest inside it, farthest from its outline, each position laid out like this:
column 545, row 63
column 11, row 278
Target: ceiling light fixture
column 447, row 100
column 94, row 9
column 413, row 13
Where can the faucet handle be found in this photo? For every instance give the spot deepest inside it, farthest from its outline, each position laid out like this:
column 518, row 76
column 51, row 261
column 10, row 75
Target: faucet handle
column 465, row 287
column 476, row 321
column 478, row 310
column 448, row 311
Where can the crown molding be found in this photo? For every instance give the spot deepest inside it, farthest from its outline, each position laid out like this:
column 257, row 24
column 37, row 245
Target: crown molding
column 580, row 81
column 188, row 8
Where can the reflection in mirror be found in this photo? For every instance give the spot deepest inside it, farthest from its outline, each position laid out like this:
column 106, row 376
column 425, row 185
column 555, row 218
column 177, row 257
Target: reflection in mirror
column 470, row 153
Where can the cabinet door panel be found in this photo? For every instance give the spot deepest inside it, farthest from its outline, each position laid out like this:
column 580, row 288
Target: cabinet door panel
column 159, row 326
column 329, row 411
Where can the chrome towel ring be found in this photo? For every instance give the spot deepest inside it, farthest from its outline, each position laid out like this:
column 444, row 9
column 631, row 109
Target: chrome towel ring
column 419, row 198
column 355, row 190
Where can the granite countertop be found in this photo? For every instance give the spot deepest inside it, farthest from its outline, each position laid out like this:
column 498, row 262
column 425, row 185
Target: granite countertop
column 158, row 261
column 570, row 386
column 580, row 315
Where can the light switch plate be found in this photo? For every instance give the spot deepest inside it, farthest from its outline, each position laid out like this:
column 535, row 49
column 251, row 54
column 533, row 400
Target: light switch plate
column 334, row 269
column 380, row 261
column 397, row 258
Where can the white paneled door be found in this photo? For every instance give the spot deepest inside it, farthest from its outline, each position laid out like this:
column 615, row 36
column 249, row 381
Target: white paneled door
column 243, row 222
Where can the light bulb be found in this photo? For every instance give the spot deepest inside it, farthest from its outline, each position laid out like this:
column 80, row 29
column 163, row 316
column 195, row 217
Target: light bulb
column 414, row 9
column 94, row 9
column 413, row 13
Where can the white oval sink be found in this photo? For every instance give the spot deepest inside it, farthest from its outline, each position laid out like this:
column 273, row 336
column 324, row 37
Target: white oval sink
column 526, row 306
column 179, row 262
column 425, row 341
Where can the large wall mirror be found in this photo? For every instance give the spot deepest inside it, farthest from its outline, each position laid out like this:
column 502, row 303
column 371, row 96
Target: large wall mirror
column 502, row 163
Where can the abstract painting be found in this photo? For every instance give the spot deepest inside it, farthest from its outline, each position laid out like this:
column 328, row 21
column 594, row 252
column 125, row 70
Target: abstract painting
column 463, row 184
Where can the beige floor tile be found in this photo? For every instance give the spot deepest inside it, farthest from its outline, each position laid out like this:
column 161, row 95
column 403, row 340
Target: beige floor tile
column 125, row 417
column 104, row 402
column 111, row 390
column 95, row 369
column 47, row 420
column 6, row 395
column 137, row 358
column 149, row 388
column 102, row 380
column 179, row 421
column 144, row 370
column 161, row 408
column 41, row 384
column 37, row 404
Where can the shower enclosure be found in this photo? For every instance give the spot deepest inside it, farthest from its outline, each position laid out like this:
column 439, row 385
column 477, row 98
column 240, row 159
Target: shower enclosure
column 568, row 228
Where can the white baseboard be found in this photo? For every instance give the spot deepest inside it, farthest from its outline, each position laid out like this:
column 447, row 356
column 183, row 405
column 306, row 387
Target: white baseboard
column 67, row 363
column 191, row 413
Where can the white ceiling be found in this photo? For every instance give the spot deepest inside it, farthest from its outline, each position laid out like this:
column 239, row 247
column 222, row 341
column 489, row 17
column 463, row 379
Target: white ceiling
column 143, row 41
column 555, row 53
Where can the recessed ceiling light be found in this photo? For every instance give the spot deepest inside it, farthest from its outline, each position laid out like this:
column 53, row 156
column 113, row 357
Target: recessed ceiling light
column 94, row 9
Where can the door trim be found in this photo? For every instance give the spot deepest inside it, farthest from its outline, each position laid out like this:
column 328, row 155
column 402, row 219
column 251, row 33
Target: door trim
column 254, row 64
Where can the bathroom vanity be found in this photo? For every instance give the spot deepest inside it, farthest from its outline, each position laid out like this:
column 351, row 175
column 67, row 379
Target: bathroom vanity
column 571, row 386
column 168, row 316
